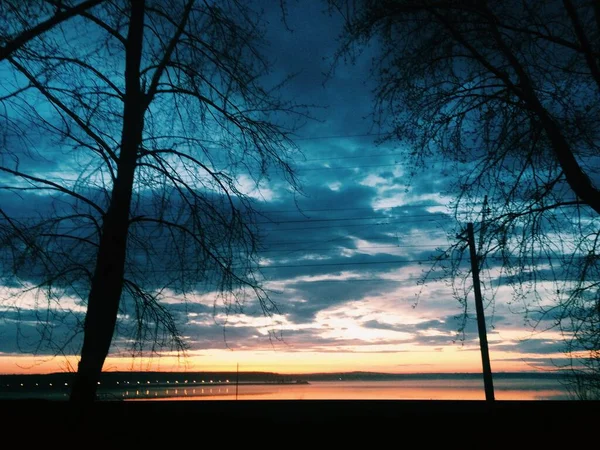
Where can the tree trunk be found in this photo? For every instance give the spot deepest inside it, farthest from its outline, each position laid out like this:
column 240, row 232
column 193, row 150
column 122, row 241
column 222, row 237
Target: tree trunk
column 107, row 281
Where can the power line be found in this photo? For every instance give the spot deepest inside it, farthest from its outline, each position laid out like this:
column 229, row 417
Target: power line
column 352, row 225
column 350, row 248
column 335, row 136
column 321, row 241
column 313, row 169
column 287, row 266
column 297, row 210
column 265, row 244
column 376, row 155
column 355, row 280
column 295, row 266
column 425, row 205
column 283, row 266
column 169, row 250
column 308, row 220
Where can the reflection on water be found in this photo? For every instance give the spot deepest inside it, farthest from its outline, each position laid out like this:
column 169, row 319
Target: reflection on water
column 172, row 394
column 414, row 389
column 514, row 389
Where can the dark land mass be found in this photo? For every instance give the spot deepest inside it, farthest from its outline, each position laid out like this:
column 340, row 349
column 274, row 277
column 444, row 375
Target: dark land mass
column 361, row 422
column 290, row 424
column 378, row 376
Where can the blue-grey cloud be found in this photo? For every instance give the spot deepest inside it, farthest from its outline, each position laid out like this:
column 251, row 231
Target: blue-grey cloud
column 304, row 235
column 319, row 295
column 538, row 346
column 40, row 332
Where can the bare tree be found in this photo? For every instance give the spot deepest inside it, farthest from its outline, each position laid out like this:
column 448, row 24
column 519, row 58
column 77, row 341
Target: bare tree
column 507, row 93
column 25, row 22
column 163, row 126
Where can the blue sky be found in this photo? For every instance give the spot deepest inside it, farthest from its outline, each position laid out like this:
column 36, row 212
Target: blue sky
column 342, row 258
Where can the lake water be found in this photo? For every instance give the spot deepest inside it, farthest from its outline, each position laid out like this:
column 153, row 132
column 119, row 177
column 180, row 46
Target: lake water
column 409, row 389
column 513, row 389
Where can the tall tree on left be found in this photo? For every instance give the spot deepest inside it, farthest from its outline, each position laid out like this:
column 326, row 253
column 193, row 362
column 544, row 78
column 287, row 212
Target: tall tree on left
column 150, row 122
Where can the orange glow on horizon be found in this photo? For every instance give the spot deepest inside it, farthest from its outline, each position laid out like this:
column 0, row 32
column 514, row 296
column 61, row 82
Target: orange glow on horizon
column 450, row 360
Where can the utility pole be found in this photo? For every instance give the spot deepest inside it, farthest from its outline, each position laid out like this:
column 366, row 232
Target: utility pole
column 485, row 354
column 237, row 380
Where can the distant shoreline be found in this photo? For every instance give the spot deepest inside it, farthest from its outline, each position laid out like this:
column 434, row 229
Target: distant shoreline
column 353, row 374
column 59, row 382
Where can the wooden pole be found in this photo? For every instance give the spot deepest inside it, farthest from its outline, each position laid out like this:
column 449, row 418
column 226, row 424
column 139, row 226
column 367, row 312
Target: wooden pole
column 485, row 355
column 237, row 380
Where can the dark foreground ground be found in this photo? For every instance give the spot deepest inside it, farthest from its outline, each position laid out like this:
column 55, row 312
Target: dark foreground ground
column 201, row 424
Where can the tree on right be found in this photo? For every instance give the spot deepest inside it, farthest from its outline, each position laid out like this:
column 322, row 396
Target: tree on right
column 506, row 95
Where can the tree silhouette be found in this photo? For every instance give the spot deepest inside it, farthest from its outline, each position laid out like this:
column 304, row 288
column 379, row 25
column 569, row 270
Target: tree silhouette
column 29, row 21
column 163, row 126
column 507, row 93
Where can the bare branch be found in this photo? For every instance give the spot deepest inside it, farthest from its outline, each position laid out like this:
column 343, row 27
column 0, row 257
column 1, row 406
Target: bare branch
column 22, row 39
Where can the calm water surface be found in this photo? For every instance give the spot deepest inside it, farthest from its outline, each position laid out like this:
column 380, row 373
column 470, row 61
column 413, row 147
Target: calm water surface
column 429, row 389
column 515, row 389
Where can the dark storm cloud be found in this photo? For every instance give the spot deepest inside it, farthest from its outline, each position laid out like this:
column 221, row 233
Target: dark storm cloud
column 384, row 326
column 455, row 323
column 154, row 269
column 434, row 177
column 368, row 265
column 322, row 239
column 537, row 346
column 306, row 237
column 211, row 335
column 450, row 328
column 350, row 210
column 30, row 331
column 33, row 212
column 307, row 51
column 189, row 308
column 342, row 97
column 318, row 202
column 17, row 338
column 346, row 94
column 437, row 325
column 320, row 295
column 29, row 147
column 429, row 325
column 541, row 362
column 40, row 332
column 314, row 238
column 444, row 340
column 31, row 205
column 561, row 272
column 202, row 337
column 553, row 315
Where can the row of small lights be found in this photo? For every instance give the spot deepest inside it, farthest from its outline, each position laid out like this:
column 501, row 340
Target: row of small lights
column 127, row 382
column 176, row 382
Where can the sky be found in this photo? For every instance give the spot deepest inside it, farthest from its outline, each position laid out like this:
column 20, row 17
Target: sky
column 342, row 259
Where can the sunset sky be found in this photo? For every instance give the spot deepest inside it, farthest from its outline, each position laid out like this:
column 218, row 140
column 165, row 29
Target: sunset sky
column 342, row 259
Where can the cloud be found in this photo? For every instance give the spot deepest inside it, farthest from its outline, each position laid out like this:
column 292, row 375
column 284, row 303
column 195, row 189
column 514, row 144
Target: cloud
column 532, row 346
column 346, row 91
column 40, row 332
column 329, row 255
column 314, row 296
